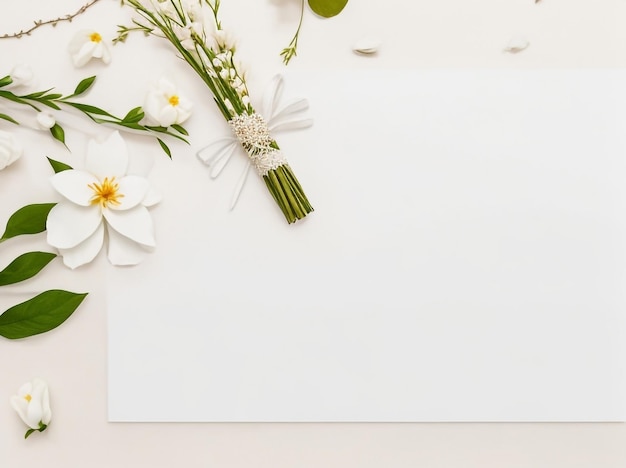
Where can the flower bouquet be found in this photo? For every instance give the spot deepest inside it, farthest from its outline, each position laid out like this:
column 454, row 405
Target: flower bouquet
column 193, row 28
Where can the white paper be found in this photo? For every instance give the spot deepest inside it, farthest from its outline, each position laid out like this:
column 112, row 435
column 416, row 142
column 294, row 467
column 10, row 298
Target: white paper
column 465, row 262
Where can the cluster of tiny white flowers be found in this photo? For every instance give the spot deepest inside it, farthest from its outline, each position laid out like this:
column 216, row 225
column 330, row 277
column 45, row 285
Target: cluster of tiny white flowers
column 223, row 65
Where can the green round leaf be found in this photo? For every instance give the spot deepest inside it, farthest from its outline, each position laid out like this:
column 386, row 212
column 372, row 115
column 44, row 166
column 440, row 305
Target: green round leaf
column 40, row 314
column 25, row 266
column 327, row 8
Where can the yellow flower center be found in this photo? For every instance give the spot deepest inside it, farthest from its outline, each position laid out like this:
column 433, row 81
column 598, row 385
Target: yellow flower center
column 174, row 100
column 27, row 397
column 95, row 37
column 106, row 193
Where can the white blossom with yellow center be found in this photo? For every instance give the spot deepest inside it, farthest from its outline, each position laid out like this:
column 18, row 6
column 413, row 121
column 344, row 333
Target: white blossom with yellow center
column 102, row 198
column 165, row 105
column 32, row 404
column 88, row 44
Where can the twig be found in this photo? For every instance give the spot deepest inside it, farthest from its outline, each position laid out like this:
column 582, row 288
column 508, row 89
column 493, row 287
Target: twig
column 53, row 22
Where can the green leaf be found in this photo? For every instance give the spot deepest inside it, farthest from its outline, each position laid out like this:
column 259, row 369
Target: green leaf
column 9, row 118
column 327, row 8
column 165, row 148
column 25, row 266
column 58, row 166
column 134, row 115
column 88, row 109
column 180, row 129
column 84, row 85
column 30, row 219
column 5, row 80
column 40, row 314
column 58, row 133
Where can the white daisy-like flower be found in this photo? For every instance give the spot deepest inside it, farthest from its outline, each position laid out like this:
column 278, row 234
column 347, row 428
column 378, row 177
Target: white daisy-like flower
column 101, row 199
column 10, row 149
column 165, row 105
column 32, row 404
column 88, row 44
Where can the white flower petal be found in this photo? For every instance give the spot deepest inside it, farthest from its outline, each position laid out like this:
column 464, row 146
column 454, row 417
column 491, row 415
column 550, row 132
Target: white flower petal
column 109, row 158
column 166, row 87
column 34, row 413
column 136, row 224
column 84, row 54
column 123, row 251
column 74, row 185
column 84, row 252
column 10, row 149
column 68, row 225
column 20, row 405
column 167, row 116
column 152, row 198
column 134, row 189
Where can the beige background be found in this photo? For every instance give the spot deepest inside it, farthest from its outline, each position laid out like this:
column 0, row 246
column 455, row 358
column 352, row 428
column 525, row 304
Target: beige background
column 416, row 33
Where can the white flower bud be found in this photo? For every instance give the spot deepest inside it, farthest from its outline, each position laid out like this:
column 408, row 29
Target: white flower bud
column 45, row 120
column 32, row 404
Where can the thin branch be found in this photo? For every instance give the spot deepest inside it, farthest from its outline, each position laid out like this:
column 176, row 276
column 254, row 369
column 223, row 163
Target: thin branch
column 53, row 22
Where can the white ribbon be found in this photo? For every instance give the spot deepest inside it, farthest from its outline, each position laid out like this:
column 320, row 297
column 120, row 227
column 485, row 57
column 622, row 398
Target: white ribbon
column 278, row 118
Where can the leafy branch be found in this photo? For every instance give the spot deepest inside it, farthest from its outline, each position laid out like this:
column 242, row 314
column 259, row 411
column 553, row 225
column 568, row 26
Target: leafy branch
column 53, row 22
column 56, row 101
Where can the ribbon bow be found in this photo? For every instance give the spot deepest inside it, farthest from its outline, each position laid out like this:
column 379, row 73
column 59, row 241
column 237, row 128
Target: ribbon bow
column 278, row 118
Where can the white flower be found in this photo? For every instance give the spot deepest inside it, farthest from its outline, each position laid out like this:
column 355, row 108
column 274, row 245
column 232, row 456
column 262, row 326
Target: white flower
column 45, row 120
column 32, row 404
column 22, row 76
column 102, row 197
column 165, row 105
column 184, row 35
column 10, row 149
column 224, row 39
column 88, row 44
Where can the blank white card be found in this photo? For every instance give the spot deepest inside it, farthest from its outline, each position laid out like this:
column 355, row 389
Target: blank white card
column 465, row 261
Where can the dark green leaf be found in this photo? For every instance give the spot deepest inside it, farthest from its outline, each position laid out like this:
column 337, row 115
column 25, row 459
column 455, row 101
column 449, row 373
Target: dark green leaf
column 87, row 109
column 6, row 80
column 30, row 219
column 57, row 133
column 40, row 314
column 9, row 118
column 53, row 96
column 327, row 8
column 165, row 148
column 25, row 266
column 37, row 94
column 58, row 166
column 180, row 129
column 134, row 115
column 84, row 85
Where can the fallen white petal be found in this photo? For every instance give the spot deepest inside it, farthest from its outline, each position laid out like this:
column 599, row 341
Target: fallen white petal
column 516, row 44
column 68, row 225
column 366, row 45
